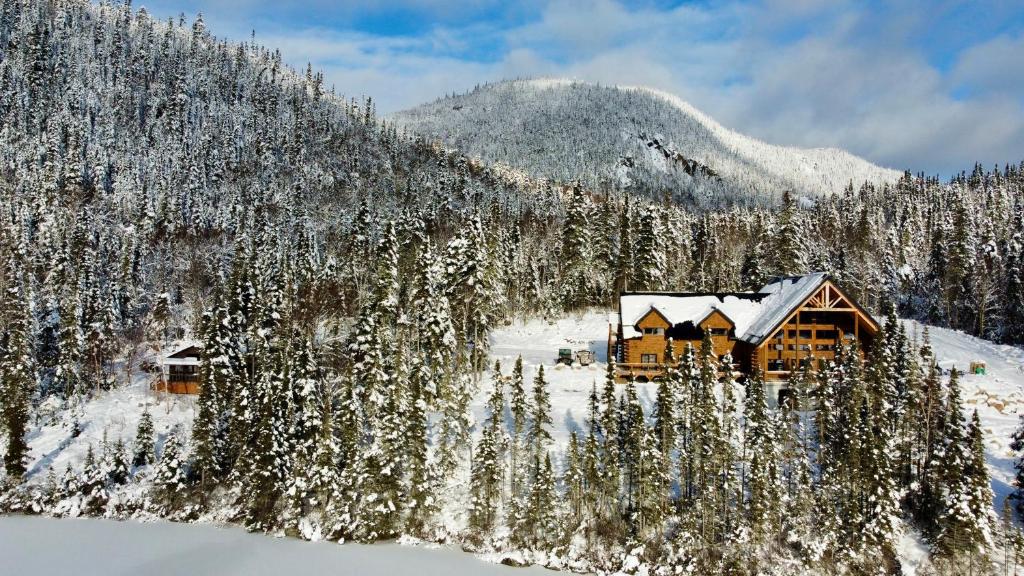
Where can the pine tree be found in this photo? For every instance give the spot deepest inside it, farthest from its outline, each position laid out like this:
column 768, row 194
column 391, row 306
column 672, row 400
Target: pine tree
column 789, row 259
column 17, row 374
column 650, row 268
column 92, row 483
column 540, row 414
column 763, row 497
column 487, row 471
column 170, row 478
column 420, row 478
column 118, row 467
column 143, row 452
column 539, row 526
column 967, row 524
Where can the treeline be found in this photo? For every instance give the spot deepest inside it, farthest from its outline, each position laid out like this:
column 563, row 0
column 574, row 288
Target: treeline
column 158, row 183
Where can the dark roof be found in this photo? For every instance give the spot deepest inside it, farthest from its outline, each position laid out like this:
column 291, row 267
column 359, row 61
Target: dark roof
column 187, row 352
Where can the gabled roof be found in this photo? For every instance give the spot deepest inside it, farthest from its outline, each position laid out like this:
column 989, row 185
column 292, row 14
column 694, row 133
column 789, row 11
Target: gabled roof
column 741, row 308
column 711, row 311
column 782, row 296
column 183, row 353
column 755, row 315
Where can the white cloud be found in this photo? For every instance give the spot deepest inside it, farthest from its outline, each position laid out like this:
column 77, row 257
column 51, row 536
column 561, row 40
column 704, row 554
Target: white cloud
column 799, row 72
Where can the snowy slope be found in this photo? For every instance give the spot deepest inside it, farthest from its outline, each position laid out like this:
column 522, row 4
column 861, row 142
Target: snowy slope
column 998, row 395
column 639, row 138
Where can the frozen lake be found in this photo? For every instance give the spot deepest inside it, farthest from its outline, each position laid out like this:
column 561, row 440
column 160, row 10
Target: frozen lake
column 87, row 547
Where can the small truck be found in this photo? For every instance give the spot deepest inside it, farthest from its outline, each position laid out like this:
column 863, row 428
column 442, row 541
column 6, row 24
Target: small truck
column 583, row 357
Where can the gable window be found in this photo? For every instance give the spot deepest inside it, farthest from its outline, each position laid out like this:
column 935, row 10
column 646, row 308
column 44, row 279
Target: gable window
column 648, row 358
column 719, row 331
column 655, row 331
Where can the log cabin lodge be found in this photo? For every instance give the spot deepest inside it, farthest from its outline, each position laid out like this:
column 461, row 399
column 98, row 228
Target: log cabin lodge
column 786, row 323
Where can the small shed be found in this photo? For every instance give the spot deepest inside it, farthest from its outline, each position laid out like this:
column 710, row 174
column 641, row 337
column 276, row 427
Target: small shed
column 179, row 370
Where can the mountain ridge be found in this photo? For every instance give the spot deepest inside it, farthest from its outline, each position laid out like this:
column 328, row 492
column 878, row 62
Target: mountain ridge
column 629, row 137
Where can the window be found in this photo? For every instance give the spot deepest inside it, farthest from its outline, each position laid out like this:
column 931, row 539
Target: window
column 718, row 331
column 776, row 365
column 827, row 334
column 655, row 331
column 649, row 358
column 823, row 347
column 787, row 397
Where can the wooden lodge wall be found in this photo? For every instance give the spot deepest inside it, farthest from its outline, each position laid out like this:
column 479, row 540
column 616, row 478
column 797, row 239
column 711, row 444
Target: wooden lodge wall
column 812, row 330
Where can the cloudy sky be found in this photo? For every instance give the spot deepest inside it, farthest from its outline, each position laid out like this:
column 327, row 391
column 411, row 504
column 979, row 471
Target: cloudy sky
column 924, row 85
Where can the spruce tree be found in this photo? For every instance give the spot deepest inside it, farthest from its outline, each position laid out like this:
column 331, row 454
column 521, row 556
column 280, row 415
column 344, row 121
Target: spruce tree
column 170, row 478
column 17, row 375
column 487, row 472
column 540, row 414
column 143, row 451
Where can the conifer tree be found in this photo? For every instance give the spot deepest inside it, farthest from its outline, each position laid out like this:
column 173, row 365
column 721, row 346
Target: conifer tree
column 17, row 374
column 118, row 467
column 540, row 413
column 762, row 481
column 539, row 526
column 143, row 451
column 487, row 472
column 169, row 480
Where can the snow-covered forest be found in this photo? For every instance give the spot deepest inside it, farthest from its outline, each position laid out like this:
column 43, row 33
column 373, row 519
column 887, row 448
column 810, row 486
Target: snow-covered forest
column 345, row 280
column 642, row 140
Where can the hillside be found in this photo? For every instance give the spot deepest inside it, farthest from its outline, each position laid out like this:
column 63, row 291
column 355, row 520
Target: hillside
column 636, row 138
column 998, row 396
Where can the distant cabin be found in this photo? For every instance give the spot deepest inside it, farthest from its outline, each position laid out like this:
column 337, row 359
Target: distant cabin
column 179, row 370
column 787, row 323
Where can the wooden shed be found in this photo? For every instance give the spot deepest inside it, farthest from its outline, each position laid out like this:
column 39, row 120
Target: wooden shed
column 179, row 370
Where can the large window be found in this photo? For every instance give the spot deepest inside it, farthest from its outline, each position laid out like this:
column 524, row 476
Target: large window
column 649, row 358
column 719, row 331
column 655, row 331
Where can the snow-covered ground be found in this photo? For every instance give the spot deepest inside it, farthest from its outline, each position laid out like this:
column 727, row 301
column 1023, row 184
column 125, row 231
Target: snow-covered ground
column 107, row 416
column 538, row 341
column 88, row 547
column 998, row 395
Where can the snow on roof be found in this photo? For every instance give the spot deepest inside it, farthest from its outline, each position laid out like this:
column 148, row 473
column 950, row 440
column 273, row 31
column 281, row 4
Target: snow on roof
column 741, row 309
column 783, row 295
column 174, row 355
column 752, row 313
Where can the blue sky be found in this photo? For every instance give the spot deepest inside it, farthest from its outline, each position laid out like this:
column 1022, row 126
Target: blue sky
column 930, row 86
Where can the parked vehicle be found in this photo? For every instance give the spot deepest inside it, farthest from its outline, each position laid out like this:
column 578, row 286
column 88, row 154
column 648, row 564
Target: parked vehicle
column 564, row 356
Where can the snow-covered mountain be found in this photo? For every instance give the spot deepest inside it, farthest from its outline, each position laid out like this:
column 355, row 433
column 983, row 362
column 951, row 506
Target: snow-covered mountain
column 636, row 138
